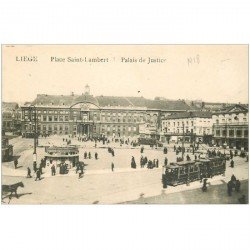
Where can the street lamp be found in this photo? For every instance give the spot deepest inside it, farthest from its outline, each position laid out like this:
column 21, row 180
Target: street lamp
column 35, row 134
column 183, row 138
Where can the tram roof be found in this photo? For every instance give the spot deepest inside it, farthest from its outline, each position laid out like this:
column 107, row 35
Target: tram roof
column 180, row 164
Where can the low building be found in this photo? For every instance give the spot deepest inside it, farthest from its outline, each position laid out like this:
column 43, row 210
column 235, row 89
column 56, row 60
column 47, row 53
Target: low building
column 230, row 127
column 193, row 126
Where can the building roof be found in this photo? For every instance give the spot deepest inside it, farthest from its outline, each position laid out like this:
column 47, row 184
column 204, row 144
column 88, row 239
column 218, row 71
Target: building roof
column 9, row 106
column 190, row 114
column 63, row 100
column 112, row 101
column 237, row 108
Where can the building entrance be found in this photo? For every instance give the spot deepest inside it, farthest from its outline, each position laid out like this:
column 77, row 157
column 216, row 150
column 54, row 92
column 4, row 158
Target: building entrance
column 83, row 129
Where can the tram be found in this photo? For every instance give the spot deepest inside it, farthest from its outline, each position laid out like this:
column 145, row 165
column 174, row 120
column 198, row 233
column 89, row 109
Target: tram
column 188, row 171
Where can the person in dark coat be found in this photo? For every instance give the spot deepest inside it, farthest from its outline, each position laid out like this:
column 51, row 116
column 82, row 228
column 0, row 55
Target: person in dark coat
column 157, row 163
column 77, row 167
column 195, row 157
column 232, row 163
column 166, row 161
column 233, row 178
column 204, row 187
column 15, row 163
column 142, row 162
column 80, row 171
column 85, row 155
column 112, row 166
column 89, row 155
column 142, row 149
column 133, row 164
column 237, row 186
column 96, row 155
column 53, row 170
column 153, row 164
column 34, row 167
column 229, row 188
column 28, row 173
column 38, row 175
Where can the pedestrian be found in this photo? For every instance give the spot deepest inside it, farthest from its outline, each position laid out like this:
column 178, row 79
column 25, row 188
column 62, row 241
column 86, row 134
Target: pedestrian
column 112, row 166
column 142, row 162
column 204, row 187
column 232, row 164
column 174, row 148
column 28, row 173
column 89, row 155
column 77, row 167
column 157, row 163
column 233, row 178
column 15, row 163
column 81, row 171
column 85, row 155
column 154, row 164
column 201, row 176
column 237, row 186
column 113, row 152
column 53, row 170
column 229, row 188
column 142, row 149
column 195, row 157
column 166, row 161
column 133, row 164
column 38, row 175
column 34, row 166
column 96, row 155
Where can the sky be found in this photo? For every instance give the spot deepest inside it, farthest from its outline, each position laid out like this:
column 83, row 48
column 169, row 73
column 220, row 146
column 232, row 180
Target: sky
column 213, row 73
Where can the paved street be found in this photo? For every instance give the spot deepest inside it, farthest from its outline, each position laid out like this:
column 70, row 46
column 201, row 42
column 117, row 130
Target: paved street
column 102, row 186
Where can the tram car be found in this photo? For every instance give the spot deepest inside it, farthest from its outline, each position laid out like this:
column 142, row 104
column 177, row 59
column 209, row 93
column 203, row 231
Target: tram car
column 188, row 171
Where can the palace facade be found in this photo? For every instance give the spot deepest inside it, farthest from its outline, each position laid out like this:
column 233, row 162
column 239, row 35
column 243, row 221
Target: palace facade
column 95, row 116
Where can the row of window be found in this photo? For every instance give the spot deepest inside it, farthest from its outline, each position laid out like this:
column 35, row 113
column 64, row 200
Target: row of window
column 27, row 112
column 48, row 118
column 230, row 120
column 231, row 133
column 117, row 128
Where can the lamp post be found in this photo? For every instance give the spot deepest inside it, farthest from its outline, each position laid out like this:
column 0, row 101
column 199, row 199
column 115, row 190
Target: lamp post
column 183, row 138
column 31, row 107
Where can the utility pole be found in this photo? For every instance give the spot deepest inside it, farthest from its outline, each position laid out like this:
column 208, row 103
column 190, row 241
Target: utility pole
column 32, row 107
column 183, row 138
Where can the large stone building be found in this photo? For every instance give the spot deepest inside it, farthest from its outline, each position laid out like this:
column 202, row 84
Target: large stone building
column 230, row 127
column 193, row 126
column 94, row 116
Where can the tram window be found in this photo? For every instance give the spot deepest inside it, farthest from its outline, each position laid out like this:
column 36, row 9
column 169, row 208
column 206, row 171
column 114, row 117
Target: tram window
column 195, row 168
column 191, row 169
column 181, row 171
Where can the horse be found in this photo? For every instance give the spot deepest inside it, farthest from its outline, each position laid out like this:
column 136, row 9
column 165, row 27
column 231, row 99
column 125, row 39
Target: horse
column 12, row 189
